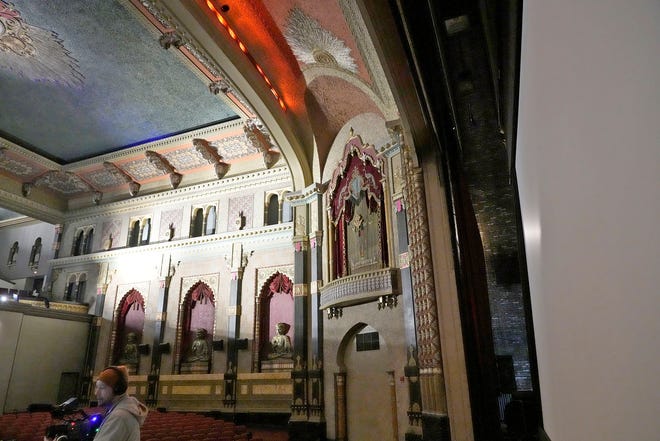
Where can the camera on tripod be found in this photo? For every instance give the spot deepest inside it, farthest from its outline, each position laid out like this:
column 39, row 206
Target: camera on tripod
column 75, row 424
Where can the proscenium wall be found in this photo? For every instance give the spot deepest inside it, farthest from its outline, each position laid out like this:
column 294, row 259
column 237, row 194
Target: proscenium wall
column 588, row 167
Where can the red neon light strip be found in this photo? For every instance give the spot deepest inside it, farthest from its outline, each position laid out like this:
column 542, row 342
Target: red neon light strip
column 244, row 49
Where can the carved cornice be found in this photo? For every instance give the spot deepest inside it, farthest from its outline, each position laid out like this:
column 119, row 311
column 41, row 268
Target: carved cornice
column 15, row 148
column 421, row 267
column 184, row 40
column 31, row 208
column 306, row 195
column 361, row 288
column 226, row 185
column 206, row 132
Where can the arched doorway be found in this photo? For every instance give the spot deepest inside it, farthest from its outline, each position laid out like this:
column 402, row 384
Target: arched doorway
column 362, row 387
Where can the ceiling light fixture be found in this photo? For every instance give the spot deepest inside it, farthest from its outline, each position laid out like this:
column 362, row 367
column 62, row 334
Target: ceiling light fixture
column 223, row 21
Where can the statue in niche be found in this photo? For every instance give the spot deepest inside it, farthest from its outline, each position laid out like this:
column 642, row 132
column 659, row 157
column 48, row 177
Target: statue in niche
column 199, row 351
column 130, row 353
column 171, row 231
column 280, row 344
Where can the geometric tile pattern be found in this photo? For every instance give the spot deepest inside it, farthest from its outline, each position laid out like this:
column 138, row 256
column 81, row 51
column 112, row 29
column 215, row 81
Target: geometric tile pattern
column 174, row 218
column 237, row 205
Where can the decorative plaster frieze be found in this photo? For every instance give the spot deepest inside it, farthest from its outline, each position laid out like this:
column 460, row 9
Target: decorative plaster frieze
column 315, row 286
column 271, row 177
column 27, row 154
column 360, row 288
column 211, row 280
column 184, row 39
column 366, row 47
column 206, row 132
column 30, row 207
column 312, row 44
column 300, row 290
column 264, row 273
column 306, row 195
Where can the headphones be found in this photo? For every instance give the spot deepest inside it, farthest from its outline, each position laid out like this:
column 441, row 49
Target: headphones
column 122, row 383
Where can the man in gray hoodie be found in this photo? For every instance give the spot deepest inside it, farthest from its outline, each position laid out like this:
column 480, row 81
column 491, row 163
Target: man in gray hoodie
column 124, row 414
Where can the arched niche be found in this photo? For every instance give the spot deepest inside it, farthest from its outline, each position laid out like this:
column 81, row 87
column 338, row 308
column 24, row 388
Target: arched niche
column 274, row 305
column 358, row 232
column 197, row 313
column 128, row 325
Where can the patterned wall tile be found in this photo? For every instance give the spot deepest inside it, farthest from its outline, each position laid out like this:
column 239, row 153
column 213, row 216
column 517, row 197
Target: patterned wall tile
column 244, row 204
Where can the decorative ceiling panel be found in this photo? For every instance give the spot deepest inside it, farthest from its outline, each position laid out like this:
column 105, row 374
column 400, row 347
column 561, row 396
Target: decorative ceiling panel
column 102, row 179
column 79, row 78
column 18, row 166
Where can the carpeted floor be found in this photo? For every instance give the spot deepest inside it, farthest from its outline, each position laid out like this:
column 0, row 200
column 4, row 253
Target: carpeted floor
column 269, row 434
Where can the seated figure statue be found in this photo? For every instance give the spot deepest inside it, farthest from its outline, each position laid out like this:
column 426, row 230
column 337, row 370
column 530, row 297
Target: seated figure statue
column 280, row 343
column 130, row 353
column 199, row 351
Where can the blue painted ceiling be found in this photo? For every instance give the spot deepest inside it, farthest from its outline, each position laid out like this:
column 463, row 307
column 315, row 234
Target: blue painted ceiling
column 98, row 81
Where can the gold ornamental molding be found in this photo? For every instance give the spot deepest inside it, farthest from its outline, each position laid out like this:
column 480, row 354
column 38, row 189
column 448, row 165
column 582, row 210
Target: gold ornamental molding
column 234, row 310
column 300, row 290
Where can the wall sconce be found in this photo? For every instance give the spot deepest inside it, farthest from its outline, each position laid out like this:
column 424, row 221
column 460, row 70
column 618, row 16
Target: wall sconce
column 242, row 343
column 389, row 301
column 143, row 349
column 335, row 312
column 218, row 345
column 164, row 348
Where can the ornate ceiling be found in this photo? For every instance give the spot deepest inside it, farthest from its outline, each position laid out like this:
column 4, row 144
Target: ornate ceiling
column 106, row 100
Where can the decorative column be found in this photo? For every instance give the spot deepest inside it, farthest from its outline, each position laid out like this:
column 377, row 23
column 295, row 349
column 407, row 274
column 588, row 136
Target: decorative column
column 89, row 365
column 307, row 415
column 340, row 406
column 299, row 406
column 411, row 369
column 47, row 284
column 435, row 421
column 160, row 324
column 315, row 372
column 57, row 242
column 393, row 406
column 238, row 263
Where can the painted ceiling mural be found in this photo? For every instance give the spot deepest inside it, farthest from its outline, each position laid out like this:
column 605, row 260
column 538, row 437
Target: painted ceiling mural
column 101, row 97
